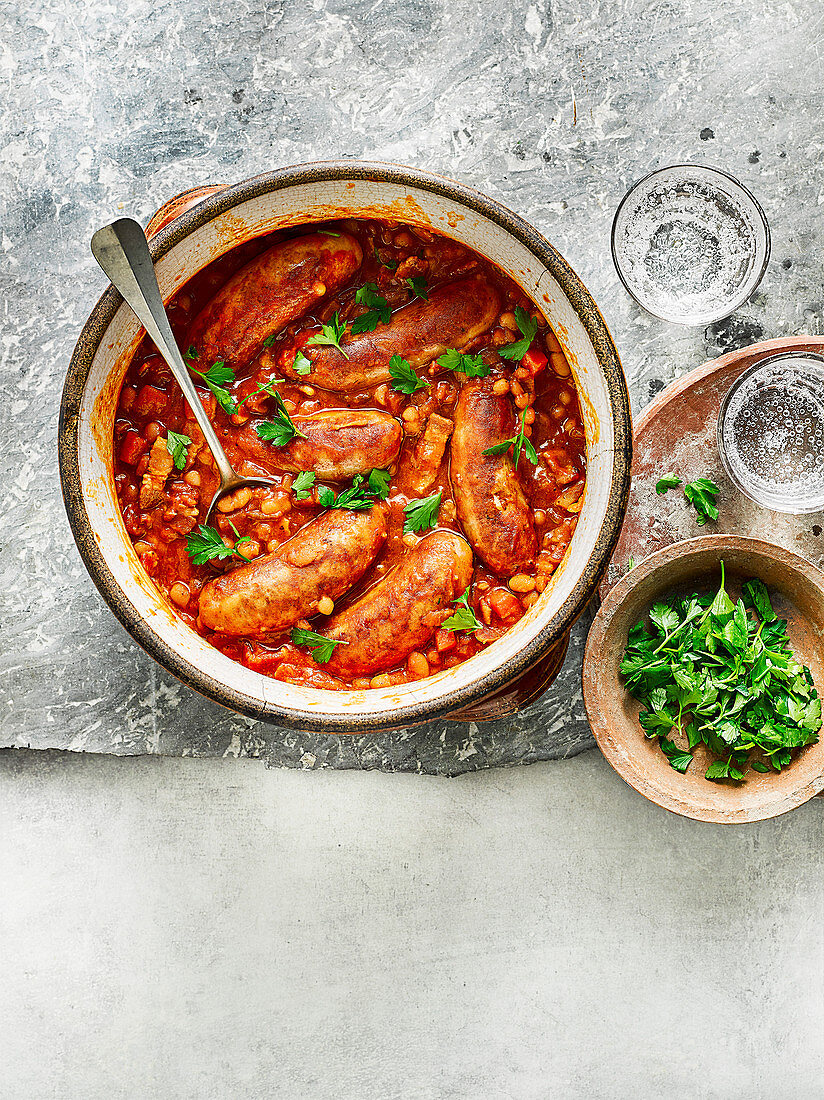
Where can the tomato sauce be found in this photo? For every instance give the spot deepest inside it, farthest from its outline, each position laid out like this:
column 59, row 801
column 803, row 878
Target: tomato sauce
column 151, row 404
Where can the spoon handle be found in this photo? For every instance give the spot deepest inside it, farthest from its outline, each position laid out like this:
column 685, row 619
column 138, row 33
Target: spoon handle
column 122, row 252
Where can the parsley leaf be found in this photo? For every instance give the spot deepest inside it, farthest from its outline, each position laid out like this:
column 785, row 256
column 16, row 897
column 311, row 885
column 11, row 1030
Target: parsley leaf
column 528, row 326
column 668, row 481
column 216, row 378
column 472, row 366
column 301, row 364
column 664, row 617
column 379, row 483
column 712, row 670
column 178, row 447
column 206, row 544
column 702, row 494
column 723, row 769
column 192, row 353
column 417, row 287
column 755, row 594
column 518, row 443
column 353, row 499
column 302, row 485
column 331, row 335
column 267, row 343
column 678, row 759
column 463, row 618
column 282, row 429
column 321, row 648
column 378, row 310
column 218, row 374
column 421, row 513
column 404, row 378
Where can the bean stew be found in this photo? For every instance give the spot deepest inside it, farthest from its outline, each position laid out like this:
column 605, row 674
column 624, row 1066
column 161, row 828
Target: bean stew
column 422, row 427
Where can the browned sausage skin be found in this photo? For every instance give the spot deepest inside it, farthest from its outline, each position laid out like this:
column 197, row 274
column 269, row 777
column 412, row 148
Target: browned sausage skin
column 403, row 610
column 491, row 506
column 324, row 558
column 455, row 314
column 338, row 444
column 275, row 288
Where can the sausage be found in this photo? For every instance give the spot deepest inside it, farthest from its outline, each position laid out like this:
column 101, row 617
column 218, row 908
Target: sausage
column 403, row 610
column 491, row 506
column 324, row 558
column 454, row 315
column 339, row 443
column 275, row 288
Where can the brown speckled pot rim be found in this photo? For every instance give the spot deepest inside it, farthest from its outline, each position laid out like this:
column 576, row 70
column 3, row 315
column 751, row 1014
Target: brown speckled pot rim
column 425, row 710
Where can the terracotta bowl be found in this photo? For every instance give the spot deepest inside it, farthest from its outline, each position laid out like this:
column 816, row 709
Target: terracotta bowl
column 797, row 592
column 203, row 224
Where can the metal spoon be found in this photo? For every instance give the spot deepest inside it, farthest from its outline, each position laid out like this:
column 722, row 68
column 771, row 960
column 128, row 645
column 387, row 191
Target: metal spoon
column 123, row 253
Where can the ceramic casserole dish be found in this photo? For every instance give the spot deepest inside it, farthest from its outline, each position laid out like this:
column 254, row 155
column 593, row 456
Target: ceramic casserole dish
column 201, row 225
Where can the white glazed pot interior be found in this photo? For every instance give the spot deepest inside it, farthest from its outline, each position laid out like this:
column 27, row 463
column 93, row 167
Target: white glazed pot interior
column 289, row 206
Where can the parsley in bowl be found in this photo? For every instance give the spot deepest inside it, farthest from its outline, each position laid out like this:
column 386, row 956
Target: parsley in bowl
column 722, row 674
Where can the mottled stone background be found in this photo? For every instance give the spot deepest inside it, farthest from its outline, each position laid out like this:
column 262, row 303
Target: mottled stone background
column 554, row 108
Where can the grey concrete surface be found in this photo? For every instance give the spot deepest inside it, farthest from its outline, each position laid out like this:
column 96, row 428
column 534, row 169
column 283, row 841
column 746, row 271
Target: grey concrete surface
column 216, row 929
column 553, row 108
column 219, row 930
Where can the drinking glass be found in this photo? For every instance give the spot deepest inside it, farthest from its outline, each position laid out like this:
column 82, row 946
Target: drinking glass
column 771, row 432
column 690, row 244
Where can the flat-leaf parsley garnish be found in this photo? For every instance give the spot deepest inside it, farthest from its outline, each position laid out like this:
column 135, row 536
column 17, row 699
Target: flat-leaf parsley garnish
column 282, row 429
column 463, row 618
column 302, row 485
column 353, row 499
column 668, row 481
column 377, row 312
column 702, row 494
column 331, row 335
column 379, row 483
column 178, row 447
column 722, row 674
column 528, row 326
column 216, row 378
column 417, row 287
column 422, row 513
column 404, row 378
column 321, row 648
column 206, row 544
column 518, row 443
column 301, row 364
column 472, row 366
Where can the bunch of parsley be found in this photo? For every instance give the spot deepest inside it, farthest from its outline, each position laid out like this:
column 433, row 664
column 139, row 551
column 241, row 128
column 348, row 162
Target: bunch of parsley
column 722, row 674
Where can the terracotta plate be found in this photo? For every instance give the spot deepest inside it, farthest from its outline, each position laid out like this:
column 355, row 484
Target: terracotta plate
column 677, row 432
